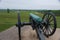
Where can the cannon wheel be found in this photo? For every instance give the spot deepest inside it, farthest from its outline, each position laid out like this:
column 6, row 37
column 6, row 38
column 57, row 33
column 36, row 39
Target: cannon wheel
column 50, row 25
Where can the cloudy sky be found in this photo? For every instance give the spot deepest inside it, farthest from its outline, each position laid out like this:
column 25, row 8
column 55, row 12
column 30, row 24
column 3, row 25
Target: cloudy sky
column 30, row 4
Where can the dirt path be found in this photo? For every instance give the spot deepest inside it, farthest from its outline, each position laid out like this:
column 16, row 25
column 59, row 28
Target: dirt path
column 27, row 34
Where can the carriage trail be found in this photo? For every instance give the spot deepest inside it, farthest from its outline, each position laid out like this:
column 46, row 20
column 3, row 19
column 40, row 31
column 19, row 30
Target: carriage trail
column 27, row 34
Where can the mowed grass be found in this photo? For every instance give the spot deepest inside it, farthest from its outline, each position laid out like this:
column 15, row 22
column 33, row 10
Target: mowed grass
column 8, row 20
column 58, row 21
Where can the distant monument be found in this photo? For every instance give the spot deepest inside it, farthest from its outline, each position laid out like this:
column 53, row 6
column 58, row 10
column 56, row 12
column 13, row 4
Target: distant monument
column 8, row 11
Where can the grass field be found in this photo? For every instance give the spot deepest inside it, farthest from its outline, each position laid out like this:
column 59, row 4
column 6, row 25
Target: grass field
column 8, row 20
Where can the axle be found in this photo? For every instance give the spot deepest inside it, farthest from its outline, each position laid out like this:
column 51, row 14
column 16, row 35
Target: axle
column 24, row 23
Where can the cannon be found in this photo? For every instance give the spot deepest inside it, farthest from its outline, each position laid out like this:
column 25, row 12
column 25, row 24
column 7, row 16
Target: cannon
column 45, row 26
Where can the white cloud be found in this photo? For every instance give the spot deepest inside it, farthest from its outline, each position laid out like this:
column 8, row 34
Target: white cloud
column 30, row 4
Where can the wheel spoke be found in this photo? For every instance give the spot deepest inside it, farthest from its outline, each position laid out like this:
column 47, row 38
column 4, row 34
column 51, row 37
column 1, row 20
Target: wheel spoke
column 47, row 31
column 50, row 30
column 51, row 26
column 51, row 20
column 44, row 29
column 50, row 17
